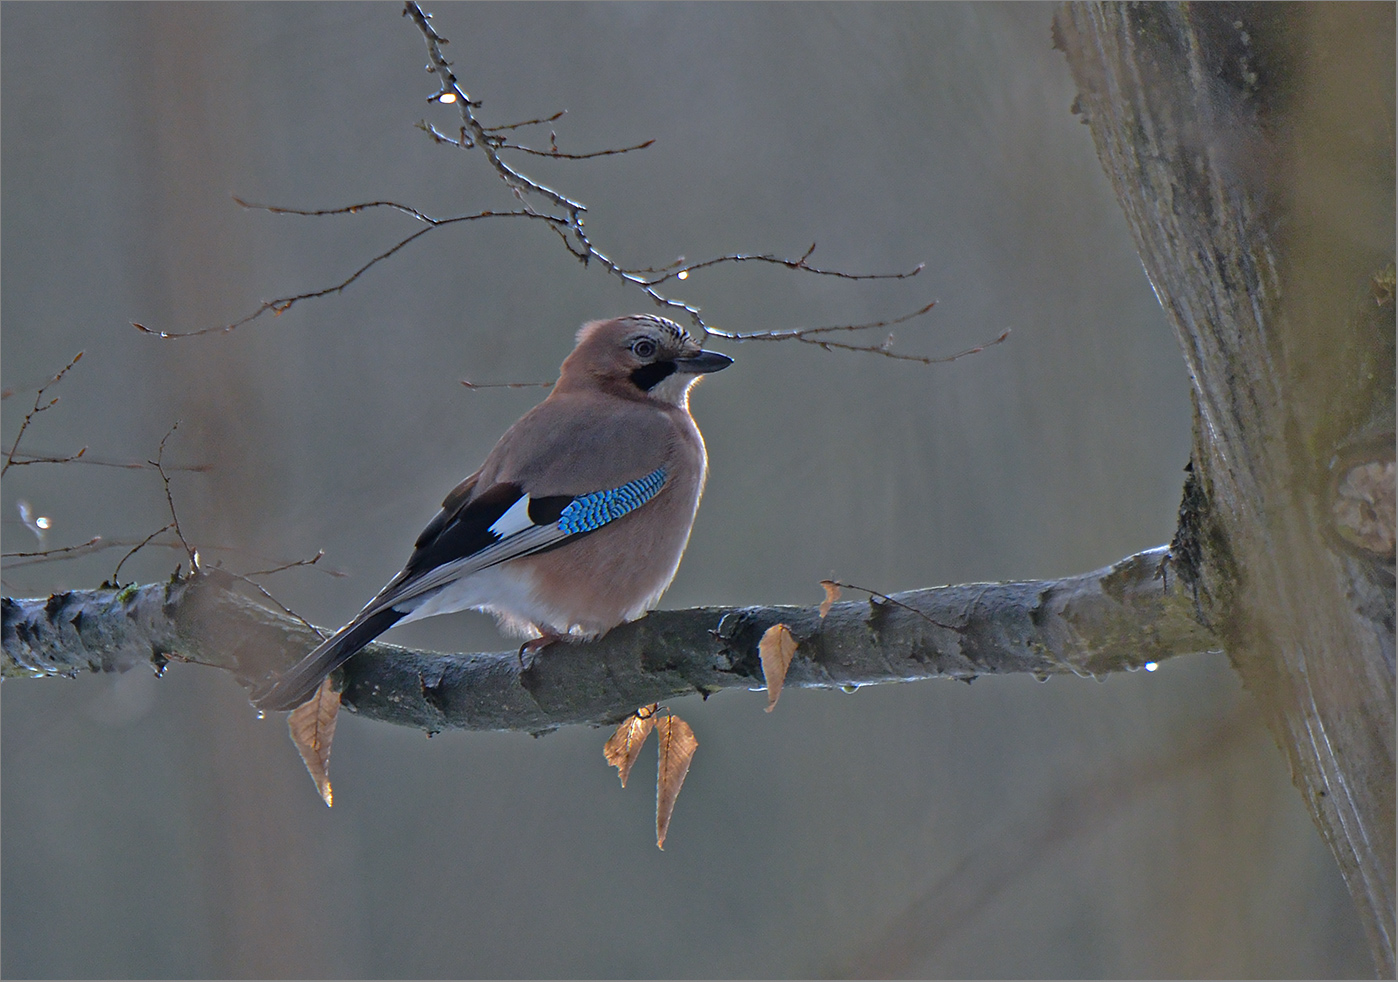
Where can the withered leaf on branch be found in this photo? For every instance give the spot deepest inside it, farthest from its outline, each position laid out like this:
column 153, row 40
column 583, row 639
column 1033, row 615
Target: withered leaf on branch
column 775, row 649
column 625, row 744
column 832, row 593
column 312, row 726
column 677, row 746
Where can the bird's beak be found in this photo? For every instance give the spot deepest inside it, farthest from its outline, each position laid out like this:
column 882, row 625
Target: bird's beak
column 703, row 362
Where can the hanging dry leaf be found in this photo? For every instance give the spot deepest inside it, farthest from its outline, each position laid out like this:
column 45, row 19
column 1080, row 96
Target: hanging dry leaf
column 832, row 593
column 625, row 744
column 775, row 649
column 312, row 726
column 677, row 746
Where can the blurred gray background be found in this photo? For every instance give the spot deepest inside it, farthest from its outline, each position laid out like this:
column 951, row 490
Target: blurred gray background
column 1139, row 826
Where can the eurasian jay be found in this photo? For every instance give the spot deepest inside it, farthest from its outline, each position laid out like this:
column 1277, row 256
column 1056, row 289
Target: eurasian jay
column 577, row 519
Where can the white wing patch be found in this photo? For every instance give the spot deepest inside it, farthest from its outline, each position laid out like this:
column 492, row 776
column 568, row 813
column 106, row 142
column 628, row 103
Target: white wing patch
column 515, row 519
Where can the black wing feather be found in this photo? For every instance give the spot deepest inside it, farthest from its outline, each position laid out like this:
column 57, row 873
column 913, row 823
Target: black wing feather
column 463, row 532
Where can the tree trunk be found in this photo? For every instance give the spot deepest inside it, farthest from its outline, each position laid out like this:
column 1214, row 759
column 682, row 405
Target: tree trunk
column 1252, row 149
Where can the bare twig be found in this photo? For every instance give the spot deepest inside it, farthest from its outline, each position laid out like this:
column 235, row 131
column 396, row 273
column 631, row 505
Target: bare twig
column 159, row 464
column 528, row 122
column 474, row 134
column 100, row 543
column 39, row 457
column 93, row 544
column 39, row 407
column 809, row 336
column 246, row 578
column 451, row 92
column 553, row 151
column 884, row 598
column 805, row 332
column 343, row 210
column 116, row 573
column 678, row 270
column 507, row 385
column 26, row 459
column 281, row 305
column 463, row 141
column 570, row 225
column 884, row 349
column 291, row 565
column 565, row 216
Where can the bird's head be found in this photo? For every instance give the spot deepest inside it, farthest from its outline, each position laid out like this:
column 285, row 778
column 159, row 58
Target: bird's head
column 640, row 356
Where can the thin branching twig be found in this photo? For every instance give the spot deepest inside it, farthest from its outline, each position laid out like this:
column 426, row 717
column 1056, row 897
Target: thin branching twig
column 22, row 460
column 115, row 581
column 679, row 270
column 159, row 464
column 528, row 122
column 99, row 543
column 553, row 151
column 39, row 457
column 247, row 578
column 39, row 407
column 507, row 385
column 570, row 228
column 565, row 216
column 94, row 544
column 320, row 554
column 808, row 335
column 281, row 305
column 812, row 331
column 884, row 598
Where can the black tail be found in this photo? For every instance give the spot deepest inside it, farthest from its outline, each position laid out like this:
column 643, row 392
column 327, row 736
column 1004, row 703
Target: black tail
column 301, row 682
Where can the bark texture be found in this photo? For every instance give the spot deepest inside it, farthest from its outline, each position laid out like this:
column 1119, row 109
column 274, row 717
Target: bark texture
column 1252, row 150
column 1113, row 619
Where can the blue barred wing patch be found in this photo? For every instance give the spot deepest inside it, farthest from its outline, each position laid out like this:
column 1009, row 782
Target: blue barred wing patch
column 591, row 511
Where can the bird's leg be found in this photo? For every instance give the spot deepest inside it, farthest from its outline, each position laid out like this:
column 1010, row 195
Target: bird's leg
column 529, row 651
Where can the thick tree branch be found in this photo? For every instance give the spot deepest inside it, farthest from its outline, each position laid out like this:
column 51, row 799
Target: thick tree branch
column 1115, row 619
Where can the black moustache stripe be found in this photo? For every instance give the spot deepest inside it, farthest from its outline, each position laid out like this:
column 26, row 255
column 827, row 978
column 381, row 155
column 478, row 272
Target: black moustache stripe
column 649, row 376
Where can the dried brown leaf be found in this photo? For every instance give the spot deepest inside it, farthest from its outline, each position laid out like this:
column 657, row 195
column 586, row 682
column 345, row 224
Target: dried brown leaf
column 312, row 726
column 677, row 746
column 775, row 649
column 625, row 744
column 832, row 593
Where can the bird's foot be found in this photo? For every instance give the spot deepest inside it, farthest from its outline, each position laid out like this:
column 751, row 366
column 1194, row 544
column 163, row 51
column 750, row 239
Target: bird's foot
column 529, row 651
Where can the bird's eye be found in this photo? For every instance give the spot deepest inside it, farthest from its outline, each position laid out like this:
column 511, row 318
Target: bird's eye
column 643, row 348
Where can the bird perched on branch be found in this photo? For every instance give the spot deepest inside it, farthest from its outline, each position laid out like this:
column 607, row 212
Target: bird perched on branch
column 577, row 519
